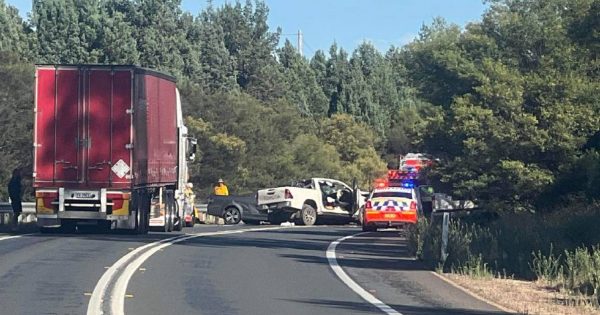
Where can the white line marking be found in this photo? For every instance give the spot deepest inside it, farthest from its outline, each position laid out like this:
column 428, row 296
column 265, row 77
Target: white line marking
column 128, row 268
column 3, row 238
column 95, row 304
column 350, row 283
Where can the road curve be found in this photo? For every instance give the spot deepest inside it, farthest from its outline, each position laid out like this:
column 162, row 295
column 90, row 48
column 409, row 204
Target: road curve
column 379, row 262
column 287, row 272
column 282, row 271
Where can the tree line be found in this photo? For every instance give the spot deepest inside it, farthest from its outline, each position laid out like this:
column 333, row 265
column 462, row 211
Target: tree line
column 509, row 103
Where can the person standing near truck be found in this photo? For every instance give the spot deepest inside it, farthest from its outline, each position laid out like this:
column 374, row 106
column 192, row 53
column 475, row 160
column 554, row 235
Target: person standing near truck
column 15, row 192
column 221, row 188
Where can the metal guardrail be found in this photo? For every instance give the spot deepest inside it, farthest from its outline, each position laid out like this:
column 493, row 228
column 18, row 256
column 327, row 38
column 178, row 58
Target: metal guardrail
column 202, row 207
column 445, row 203
column 28, row 214
column 28, row 207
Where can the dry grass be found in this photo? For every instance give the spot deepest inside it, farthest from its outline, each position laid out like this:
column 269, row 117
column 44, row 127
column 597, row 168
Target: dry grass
column 525, row 297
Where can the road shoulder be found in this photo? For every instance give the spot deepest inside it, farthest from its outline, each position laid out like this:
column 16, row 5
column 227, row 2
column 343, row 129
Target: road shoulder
column 523, row 297
column 381, row 264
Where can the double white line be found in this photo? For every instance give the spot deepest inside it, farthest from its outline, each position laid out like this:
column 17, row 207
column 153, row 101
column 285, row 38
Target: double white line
column 109, row 294
column 3, row 238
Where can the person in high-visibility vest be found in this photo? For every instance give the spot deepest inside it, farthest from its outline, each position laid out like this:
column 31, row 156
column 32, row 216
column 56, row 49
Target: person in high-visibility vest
column 221, row 188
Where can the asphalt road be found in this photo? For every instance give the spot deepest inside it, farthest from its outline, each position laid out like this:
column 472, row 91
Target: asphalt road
column 277, row 271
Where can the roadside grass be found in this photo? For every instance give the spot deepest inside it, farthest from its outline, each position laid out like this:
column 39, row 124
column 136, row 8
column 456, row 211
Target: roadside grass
column 525, row 297
column 559, row 252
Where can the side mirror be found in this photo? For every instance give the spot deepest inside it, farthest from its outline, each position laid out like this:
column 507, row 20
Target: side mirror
column 192, row 147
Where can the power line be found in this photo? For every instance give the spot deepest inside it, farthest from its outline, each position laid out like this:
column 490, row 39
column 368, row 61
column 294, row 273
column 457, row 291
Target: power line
column 312, row 51
column 299, row 41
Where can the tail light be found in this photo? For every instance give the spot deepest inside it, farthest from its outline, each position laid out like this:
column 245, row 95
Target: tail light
column 368, row 204
column 413, row 205
column 288, row 194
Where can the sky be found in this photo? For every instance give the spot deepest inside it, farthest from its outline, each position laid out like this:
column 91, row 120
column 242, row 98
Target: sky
column 348, row 22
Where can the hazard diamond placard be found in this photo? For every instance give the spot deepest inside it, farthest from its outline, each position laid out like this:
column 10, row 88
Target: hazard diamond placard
column 120, row 168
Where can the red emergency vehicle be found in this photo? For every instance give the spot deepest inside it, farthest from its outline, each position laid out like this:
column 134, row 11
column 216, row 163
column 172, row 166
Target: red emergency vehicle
column 390, row 207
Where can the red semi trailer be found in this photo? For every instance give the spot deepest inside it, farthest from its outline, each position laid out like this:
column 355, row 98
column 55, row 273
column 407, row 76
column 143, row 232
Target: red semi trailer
column 110, row 148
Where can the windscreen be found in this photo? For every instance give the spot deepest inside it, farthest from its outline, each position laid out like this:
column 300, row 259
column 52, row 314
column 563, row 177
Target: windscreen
column 392, row 194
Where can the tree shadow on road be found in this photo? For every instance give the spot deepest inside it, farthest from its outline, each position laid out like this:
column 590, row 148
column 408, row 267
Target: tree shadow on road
column 406, row 264
column 231, row 241
column 403, row 309
column 387, row 254
column 313, row 231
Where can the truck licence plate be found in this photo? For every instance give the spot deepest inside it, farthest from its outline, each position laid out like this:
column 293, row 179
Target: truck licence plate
column 84, row 195
column 390, row 216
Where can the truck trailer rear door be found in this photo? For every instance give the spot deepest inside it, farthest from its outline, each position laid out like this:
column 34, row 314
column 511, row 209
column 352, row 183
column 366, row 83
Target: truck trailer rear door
column 108, row 126
column 83, row 126
column 58, row 116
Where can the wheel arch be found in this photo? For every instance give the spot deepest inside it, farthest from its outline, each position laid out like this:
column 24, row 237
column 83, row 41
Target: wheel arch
column 311, row 203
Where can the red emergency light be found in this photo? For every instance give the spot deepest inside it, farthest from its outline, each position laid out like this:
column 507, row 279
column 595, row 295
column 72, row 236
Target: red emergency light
column 381, row 183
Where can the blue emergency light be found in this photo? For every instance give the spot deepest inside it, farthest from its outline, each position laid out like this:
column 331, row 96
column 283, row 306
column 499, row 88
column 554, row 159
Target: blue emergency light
column 408, row 184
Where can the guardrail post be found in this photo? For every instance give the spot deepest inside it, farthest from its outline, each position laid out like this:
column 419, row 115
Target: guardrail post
column 445, row 227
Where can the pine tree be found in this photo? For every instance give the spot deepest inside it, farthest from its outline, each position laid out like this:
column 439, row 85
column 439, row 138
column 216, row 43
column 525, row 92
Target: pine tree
column 217, row 65
column 67, row 31
column 14, row 33
column 336, row 77
column 159, row 36
column 251, row 44
column 302, row 90
column 118, row 42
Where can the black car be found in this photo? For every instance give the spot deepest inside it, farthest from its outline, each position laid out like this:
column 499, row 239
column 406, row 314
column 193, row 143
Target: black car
column 234, row 209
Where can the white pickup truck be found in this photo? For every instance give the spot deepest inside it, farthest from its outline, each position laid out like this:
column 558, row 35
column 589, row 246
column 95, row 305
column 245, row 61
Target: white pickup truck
column 311, row 199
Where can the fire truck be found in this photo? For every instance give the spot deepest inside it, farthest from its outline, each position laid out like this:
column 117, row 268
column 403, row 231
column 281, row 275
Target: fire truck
column 110, row 148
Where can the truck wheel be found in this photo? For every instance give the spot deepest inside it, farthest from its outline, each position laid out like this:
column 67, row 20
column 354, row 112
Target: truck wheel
column 142, row 207
column 168, row 219
column 308, row 215
column 232, row 215
column 180, row 223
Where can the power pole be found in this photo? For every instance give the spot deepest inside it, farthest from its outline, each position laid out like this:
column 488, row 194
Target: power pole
column 300, row 43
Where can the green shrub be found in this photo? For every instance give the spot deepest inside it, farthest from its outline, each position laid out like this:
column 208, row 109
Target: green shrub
column 520, row 245
column 547, row 268
column 416, row 235
column 582, row 271
column 474, row 266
